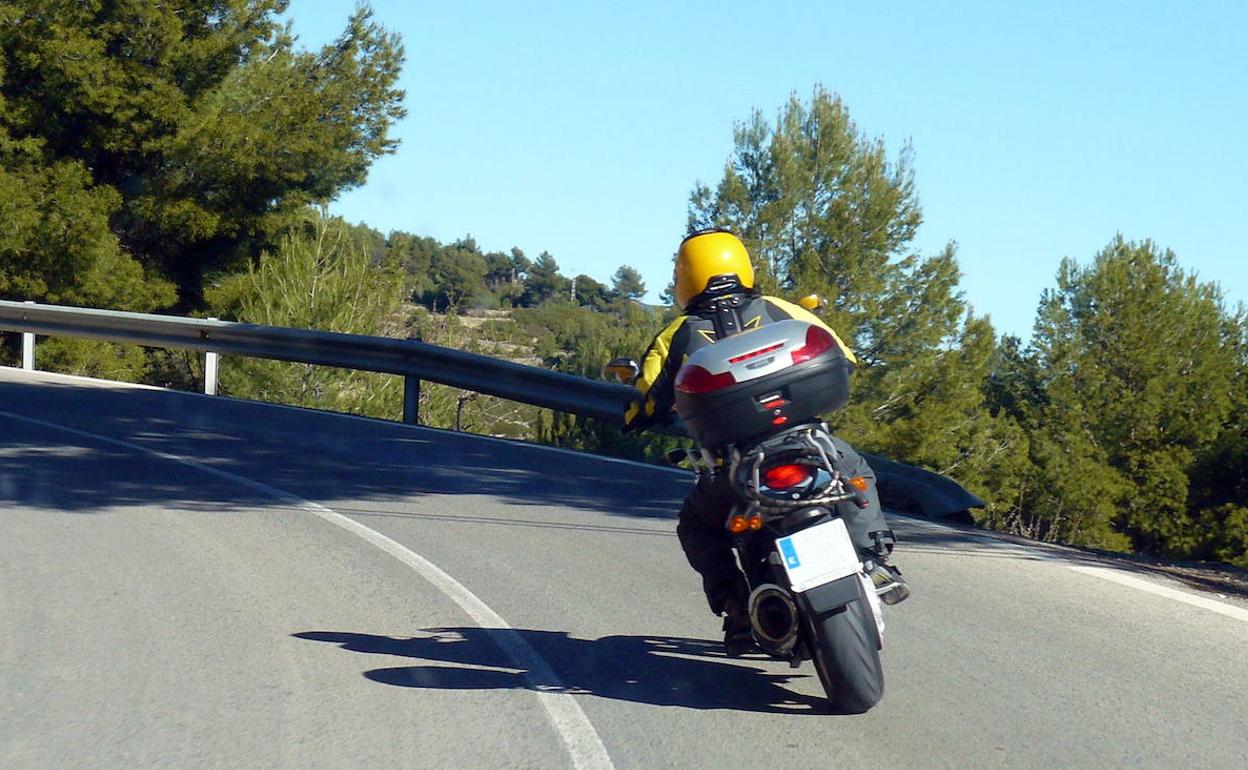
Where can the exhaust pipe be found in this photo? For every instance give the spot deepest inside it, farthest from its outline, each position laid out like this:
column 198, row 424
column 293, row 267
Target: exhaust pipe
column 773, row 615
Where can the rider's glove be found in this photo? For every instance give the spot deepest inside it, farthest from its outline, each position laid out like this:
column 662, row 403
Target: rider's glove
column 635, row 417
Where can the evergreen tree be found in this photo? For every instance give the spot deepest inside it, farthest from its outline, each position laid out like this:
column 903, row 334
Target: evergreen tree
column 627, row 283
column 56, row 244
column 458, row 271
column 173, row 139
column 591, row 293
column 415, row 255
column 498, row 271
column 1014, row 385
column 320, row 277
column 544, row 281
column 668, row 297
column 1139, row 367
column 823, row 210
column 520, row 266
column 1220, row 480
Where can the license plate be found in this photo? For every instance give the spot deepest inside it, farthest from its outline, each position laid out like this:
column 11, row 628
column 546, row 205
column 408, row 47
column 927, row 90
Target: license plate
column 818, row 555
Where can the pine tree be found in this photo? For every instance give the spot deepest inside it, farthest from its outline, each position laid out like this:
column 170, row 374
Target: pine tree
column 822, row 209
column 627, row 283
column 458, row 271
column 320, row 277
column 142, row 143
column 591, row 293
column 544, row 281
column 1139, row 368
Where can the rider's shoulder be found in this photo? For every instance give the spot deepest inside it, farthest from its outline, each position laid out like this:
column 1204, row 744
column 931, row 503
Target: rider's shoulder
column 666, row 336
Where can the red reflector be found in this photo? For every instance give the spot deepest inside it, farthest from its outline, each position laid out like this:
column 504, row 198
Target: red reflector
column 781, row 420
column 695, row 379
column 785, row 476
column 755, row 353
column 817, row 341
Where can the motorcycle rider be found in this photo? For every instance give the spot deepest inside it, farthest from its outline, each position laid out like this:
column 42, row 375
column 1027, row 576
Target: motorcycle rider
column 714, row 282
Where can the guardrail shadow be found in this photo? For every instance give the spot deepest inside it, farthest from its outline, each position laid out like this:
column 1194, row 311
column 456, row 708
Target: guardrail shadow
column 656, row 670
column 319, row 456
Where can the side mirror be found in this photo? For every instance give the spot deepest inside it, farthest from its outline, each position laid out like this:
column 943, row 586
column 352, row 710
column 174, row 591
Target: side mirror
column 812, row 302
column 674, row 457
column 625, row 370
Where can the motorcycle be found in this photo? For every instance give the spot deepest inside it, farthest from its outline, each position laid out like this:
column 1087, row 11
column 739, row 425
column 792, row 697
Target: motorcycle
column 751, row 402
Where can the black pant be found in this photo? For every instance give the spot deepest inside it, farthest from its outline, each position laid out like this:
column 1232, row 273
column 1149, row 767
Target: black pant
column 708, row 545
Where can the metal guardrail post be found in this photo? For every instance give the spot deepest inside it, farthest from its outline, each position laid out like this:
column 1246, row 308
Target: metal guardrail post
column 28, row 346
column 411, row 400
column 411, row 394
column 210, row 370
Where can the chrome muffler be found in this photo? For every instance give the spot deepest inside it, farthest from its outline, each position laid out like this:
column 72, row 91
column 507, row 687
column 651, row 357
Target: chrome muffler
column 773, row 616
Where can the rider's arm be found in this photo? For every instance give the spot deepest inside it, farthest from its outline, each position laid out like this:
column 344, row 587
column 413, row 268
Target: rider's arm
column 654, row 383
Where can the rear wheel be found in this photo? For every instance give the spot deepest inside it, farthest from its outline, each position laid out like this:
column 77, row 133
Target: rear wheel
column 845, row 651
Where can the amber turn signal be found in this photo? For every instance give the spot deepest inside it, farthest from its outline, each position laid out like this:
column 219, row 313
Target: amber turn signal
column 859, row 483
column 756, row 523
column 737, row 525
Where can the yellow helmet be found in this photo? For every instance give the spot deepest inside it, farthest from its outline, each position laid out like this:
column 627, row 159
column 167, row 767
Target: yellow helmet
column 709, row 254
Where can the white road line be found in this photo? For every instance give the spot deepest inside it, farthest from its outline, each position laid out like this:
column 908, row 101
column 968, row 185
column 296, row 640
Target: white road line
column 1122, row 578
column 576, row 731
column 1118, row 576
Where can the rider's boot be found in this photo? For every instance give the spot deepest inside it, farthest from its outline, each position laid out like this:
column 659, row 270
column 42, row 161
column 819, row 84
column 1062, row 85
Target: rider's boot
column 738, row 636
column 890, row 586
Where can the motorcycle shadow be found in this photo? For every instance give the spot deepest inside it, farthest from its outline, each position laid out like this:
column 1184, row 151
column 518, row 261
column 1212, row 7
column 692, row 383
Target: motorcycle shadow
column 657, row 670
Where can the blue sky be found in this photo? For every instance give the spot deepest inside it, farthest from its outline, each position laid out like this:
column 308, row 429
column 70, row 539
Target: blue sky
column 1039, row 130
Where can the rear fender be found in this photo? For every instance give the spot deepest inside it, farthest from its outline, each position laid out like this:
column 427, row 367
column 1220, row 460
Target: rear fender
column 821, row 601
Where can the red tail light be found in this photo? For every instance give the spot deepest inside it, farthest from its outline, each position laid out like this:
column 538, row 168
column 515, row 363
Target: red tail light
column 695, row 379
column 785, row 476
column 755, row 353
column 817, row 341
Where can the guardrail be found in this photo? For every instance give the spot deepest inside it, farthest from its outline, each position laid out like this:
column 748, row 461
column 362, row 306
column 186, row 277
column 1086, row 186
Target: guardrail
column 411, row 359
column 922, row 491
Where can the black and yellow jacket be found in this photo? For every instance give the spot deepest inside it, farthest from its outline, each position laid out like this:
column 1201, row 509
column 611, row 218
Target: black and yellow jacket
column 703, row 324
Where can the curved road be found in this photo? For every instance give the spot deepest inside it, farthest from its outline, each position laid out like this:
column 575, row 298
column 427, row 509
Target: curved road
column 196, row 582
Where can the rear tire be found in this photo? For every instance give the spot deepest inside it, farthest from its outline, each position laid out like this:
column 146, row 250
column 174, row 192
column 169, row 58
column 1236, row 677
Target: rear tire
column 845, row 651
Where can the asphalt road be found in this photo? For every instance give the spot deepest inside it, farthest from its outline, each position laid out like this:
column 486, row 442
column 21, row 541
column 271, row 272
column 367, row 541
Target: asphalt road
column 195, row 582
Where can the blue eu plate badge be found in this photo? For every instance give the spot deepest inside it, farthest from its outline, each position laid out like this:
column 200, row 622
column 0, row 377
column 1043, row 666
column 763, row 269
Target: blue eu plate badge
column 789, row 553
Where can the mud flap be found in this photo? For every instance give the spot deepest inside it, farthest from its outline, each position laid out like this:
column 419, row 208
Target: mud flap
column 821, row 601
